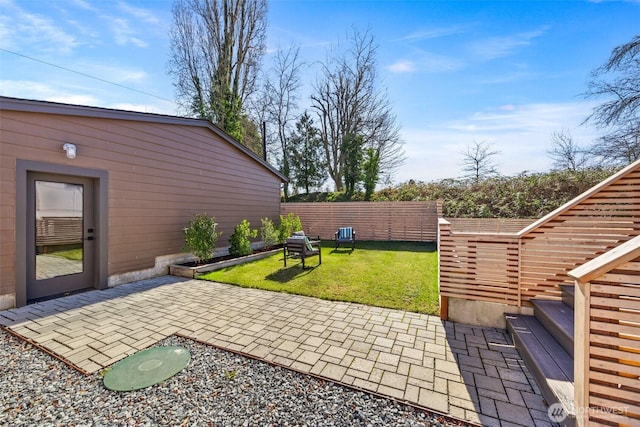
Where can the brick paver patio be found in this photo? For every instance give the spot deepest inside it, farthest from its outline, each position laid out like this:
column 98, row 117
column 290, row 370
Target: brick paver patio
column 472, row 373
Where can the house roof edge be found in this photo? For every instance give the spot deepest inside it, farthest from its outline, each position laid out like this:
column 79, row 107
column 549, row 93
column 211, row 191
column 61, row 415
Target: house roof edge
column 50, row 107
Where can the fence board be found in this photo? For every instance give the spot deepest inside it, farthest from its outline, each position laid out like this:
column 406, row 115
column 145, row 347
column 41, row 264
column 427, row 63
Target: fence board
column 58, row 231
column 478, row 266
column 489, row 225
column 401, row 221
column 614, row 343
column 600, row 222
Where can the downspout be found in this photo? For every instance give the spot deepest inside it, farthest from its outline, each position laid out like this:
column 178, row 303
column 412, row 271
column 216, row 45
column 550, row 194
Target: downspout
column 264, row 141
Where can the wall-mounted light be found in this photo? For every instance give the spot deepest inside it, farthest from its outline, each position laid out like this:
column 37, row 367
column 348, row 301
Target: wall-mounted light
column 70, row 149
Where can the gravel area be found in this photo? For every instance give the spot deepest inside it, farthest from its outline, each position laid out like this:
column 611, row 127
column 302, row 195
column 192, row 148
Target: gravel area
column 217, row 388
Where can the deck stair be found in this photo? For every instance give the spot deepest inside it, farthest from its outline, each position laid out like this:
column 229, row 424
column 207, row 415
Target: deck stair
column 545, row 342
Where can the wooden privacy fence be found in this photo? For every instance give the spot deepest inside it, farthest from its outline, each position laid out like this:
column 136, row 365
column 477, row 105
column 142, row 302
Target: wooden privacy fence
column 590, row 225
column 479, row 266
column 489, row 225
column 58, row 231
column 607, row 332
column 401, row 221
column 538, row 258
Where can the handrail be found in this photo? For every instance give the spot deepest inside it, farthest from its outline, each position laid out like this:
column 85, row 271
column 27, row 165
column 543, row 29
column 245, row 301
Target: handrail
column 579, row 199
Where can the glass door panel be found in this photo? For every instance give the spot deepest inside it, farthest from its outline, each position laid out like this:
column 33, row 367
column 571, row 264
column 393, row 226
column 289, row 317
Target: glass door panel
column 58, row 229
column 61, row 236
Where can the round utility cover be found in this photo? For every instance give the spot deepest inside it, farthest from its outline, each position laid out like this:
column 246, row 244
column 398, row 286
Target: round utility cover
column 146, row 368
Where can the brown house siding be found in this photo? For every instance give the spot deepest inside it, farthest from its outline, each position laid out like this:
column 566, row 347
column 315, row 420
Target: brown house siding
column 161, row 171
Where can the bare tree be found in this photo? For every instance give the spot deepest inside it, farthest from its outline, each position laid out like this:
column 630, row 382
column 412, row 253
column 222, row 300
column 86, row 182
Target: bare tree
column 348, row 102
column 478, row 161
column 565, row 153
column 279, row 101
column 216, row 49
column 618, row 81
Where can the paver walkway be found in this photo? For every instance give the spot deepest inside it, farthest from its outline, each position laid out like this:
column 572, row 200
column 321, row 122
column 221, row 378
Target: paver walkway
column 472, row 373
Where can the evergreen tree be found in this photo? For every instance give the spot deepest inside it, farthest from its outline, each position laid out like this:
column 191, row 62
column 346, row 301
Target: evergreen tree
column 370, row 171
column 352, row 152
column 306, row 167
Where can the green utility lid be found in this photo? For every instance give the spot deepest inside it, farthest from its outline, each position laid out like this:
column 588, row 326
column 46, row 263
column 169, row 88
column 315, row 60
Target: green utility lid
column 146, row 368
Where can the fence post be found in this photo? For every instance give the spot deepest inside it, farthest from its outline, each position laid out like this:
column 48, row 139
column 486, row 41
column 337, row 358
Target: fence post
column 444, row 229
column 581, row 362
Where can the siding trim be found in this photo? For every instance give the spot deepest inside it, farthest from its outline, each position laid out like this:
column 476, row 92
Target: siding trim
column 100, row 177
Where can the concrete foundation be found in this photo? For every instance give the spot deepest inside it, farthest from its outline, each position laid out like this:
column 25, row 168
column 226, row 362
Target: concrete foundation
column 7, row 301
column 482, row 313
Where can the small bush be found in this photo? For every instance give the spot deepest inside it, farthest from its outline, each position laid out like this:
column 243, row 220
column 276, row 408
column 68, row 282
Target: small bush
column 268, row 232
column 201, row 236
column 239, row 240
column 288, row 224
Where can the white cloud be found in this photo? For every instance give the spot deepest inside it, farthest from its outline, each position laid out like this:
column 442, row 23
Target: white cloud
column 82, row 95
column 32, row 33
column 521, row 133
column 157, row 108
column 402, row 67
column 431, row 33
column 85, row 5
column 45, row 91
column 124, row 34
column 73, row 99
column 422, row 61
column 113, row 73
column 499, row 47
column 139, row 13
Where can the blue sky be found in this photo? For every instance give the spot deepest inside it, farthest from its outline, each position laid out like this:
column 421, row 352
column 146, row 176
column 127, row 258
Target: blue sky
column 509, row 73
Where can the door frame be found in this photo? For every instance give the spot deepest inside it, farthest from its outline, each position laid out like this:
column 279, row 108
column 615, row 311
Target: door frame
column 59, row 284
column 99, row 179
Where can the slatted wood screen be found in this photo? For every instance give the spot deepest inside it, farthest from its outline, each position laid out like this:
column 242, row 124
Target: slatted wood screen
column 58, row 231
column 607, row 368
column 478, row 266
column 588, row 226
column 614, row 374
column 382, row 221
column 489, row 225
column 603, row 219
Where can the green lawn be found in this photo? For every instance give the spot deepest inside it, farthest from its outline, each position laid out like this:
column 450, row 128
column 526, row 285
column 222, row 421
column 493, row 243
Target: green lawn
column 399, row 275
column 70, row 254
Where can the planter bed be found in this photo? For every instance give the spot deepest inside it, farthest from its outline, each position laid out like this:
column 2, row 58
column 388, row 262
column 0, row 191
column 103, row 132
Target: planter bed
column 191, row 270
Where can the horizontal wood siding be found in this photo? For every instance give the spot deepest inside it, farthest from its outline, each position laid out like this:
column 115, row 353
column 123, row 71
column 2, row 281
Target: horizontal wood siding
column 481, row 267
column 159, row 175
column 401, row 221
column 614, row 345
column 601, row 221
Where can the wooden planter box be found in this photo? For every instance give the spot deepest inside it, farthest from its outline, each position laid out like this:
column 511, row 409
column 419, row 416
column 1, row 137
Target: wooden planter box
column 192, row 272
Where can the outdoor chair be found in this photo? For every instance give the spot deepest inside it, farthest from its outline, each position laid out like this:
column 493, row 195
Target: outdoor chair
column 300, row 245
column 346, row 235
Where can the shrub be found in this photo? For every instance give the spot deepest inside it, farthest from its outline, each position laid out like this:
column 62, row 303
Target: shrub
column 201, row 236
column 288, row 224
column 268, row 232
column 239, row 240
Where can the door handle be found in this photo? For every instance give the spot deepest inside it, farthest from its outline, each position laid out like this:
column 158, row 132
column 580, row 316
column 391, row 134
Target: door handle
column 89, row 238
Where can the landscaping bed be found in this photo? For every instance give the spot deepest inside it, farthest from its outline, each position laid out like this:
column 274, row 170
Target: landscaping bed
column 192, row 269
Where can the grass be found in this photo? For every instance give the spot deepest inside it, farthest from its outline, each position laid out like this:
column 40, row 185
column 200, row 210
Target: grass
column 400, row 275
column 70, row 254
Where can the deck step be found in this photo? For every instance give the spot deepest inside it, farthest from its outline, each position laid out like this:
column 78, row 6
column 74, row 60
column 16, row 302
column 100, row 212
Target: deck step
column 550, row 364
column 557, row 318
column 568, row 294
